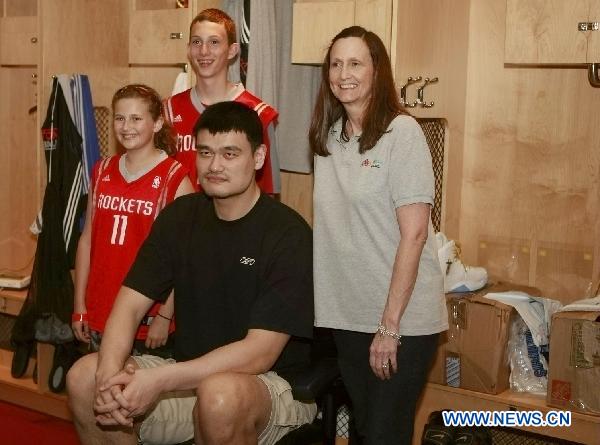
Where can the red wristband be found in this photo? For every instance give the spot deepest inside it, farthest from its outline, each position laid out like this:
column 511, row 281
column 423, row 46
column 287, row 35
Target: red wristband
column 79, row 317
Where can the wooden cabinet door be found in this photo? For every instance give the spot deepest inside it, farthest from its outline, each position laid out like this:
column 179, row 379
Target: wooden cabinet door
column 159, row 36
column 376, row 16
column 593, row 50
column 545, row 31
column 20, row 163
column 18, row 41
column 315, row 24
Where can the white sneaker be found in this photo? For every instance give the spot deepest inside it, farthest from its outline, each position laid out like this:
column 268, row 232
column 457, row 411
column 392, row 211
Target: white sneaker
column 457, row 276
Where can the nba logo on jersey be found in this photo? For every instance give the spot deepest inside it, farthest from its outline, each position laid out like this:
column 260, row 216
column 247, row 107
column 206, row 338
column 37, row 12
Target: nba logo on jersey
column 49, row 137
column 156, row 182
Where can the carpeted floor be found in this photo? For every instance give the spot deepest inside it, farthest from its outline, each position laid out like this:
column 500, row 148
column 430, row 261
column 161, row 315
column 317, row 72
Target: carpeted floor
column 21, row 426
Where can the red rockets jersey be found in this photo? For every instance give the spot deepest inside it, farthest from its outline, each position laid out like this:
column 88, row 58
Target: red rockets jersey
column 122, row 216
column 183, row 115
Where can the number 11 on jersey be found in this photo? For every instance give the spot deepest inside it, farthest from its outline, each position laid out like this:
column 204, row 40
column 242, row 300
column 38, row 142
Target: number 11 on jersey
column 119, row 228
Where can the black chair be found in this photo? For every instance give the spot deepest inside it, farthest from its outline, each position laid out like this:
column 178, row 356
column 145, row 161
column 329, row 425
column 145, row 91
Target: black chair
column 321, row 382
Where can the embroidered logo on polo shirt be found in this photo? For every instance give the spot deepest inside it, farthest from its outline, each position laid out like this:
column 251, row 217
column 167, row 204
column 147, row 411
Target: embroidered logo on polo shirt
column 373, row 164
column 177, row 118
column 156, row 182
column 106, row 178
column 247, row 261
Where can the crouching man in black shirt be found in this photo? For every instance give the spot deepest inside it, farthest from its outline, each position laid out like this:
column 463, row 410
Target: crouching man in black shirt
column 240, row 264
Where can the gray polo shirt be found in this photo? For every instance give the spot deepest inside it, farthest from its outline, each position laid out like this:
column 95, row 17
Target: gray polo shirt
column 356, row 232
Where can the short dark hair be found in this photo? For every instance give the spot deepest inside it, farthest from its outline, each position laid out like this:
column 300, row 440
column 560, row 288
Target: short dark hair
column 224, row 117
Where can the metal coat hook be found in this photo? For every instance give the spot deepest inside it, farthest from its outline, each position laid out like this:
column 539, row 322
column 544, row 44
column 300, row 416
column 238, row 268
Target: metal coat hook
column 593, row 74
column 420, row 96
column 409, row 81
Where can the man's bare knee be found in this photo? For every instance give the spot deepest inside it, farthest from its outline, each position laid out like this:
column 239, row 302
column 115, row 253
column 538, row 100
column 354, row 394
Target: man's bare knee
column 223, row 408
column 220, row 395
column 81, row 377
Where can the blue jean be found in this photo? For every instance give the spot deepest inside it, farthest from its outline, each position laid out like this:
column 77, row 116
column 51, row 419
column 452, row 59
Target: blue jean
column 384, row 410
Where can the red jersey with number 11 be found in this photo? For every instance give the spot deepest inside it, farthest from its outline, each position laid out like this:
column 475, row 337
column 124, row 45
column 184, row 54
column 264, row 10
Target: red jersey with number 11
column 122, row 215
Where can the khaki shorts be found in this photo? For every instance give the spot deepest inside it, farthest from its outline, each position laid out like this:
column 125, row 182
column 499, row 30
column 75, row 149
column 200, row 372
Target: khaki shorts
column 170, row 422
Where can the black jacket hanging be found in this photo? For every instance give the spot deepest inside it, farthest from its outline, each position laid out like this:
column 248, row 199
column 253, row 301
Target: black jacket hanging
column 46, row 313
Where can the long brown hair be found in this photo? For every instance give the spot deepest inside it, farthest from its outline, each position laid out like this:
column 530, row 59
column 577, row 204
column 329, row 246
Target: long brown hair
column 383, row 104
column 163, row 138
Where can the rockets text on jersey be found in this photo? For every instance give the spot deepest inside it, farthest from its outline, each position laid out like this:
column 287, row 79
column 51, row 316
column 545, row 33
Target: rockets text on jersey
column 186, row 142
column 125, row 205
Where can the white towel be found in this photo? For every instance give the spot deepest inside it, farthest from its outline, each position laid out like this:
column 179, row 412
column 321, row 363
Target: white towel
column 182, row 83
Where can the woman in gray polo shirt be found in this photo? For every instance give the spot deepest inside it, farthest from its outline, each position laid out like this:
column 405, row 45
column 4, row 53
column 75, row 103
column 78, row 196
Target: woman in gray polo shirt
column 378, row 282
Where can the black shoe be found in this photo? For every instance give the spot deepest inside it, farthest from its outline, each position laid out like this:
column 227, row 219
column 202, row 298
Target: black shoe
column 64, row 356
column 436, row 433
column 20, row 359
column 472, row 436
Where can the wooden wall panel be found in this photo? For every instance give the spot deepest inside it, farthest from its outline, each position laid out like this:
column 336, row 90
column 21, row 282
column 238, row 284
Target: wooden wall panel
column 296, row 192
column 155, row 4
column 161, row 78
column 374, row 15
column 531, row 170
column 105, row 63
column 509, row 258
column 315, row 24
column 593, row 46
column 200, row 5
column 19, row 162
column 431, row 41
column 101, row 61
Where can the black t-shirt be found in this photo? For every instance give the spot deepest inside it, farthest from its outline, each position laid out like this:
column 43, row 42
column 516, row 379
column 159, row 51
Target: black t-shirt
column 230, row 276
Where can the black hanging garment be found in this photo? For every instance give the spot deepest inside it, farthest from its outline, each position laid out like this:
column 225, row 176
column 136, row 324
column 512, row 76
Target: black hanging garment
column 244, row 41
column 46, row 313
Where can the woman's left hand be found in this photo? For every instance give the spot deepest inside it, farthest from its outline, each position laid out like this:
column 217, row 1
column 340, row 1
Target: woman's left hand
column 382, row 356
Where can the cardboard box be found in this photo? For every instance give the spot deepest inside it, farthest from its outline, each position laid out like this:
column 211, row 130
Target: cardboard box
column 473, row 353
column 574, row 379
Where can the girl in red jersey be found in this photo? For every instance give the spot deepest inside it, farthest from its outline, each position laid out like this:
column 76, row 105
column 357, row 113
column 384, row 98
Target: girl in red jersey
column 126, row 194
